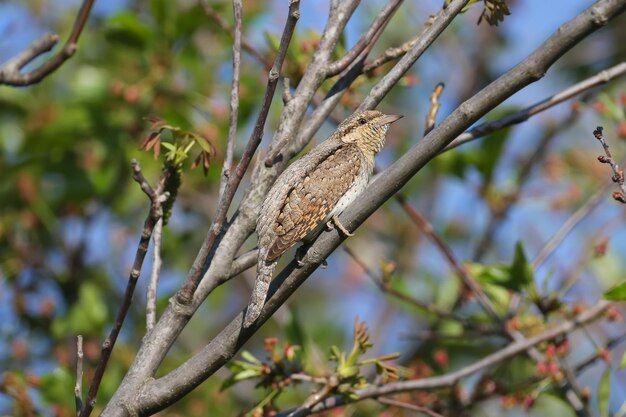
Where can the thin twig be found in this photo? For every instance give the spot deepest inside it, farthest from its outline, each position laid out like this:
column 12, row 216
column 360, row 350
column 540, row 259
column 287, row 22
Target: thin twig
column 367, row 39
column 408, row 406
column 234, row 100
column 454, row 377
column 10, row 71
column 428, row 35
column 434, row 108
column 446, row 251
column 327, row 389
column 334, row 95
column 245, row 42
column 185, row 295
column 569, row 224
column 151, row 296
column 484, row 129
column 432, row 32
column 386, row 288
column 396, row 52
column 618, row 172
column 500, row 209
column 78, row 386
column 157, row 198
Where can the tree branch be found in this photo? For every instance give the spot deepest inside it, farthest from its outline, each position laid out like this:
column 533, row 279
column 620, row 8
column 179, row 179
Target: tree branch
column 245, row 42
column 366, row 40
column 185, row 295
column 569, row 224
column 78, row 385
column 10, row 71
column 234, row 101
column 157, row 198
column 151, row 295
column 484, row 129
column 434, row 27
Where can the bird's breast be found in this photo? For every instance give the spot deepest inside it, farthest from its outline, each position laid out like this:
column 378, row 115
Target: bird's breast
column 357, row 187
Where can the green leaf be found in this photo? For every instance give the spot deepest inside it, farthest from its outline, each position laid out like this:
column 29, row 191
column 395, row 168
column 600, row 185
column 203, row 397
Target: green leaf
column 622, row 364
column 295, row 330
column 522, row 273
column 272, row 40
column 126, row 29
column 617, row 293
column 238, row 377
column 250, row 357
column 169, row 146
column 56, row 385
column 604, row 391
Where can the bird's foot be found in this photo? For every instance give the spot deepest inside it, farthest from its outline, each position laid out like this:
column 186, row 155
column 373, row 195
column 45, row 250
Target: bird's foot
column 300, row 253
column 334, row 221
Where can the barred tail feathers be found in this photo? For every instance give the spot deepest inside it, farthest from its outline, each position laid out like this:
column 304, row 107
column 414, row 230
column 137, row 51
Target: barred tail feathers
column 265, row 271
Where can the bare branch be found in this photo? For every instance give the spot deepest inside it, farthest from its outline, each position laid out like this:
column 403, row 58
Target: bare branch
column 386, row 288
column 245, row 42
column 463, row 273
column 618, row 172
column 569, row 224
column 10, row 71
column 408, row 406
column 433, row 28
column 484, row 129
column 286, row 90
column 185, row 295
column 151, row 296
column 156, row 213
column 367, row 39
column 234, row 100
column 434, row 108
column 430, row 34
column 396, row 52
column 78, row 386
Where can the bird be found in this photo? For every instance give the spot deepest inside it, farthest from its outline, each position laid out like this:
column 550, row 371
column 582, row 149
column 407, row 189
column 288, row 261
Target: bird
column 313, row 191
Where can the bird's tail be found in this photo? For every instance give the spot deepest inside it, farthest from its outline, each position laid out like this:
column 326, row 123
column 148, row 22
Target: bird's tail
column 265, row 270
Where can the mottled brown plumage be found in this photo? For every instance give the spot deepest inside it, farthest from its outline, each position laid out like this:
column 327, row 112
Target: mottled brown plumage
column 313, row 190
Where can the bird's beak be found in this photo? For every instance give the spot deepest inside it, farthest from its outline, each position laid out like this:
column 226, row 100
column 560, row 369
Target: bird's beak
column 388, row 119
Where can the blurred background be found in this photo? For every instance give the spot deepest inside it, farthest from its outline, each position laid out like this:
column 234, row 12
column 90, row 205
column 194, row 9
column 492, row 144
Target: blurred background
column 71, row 216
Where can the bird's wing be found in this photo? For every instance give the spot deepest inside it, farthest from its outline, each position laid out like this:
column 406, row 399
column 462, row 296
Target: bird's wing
column 311, row 198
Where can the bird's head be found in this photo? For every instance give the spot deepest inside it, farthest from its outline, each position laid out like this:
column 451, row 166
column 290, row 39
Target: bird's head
column 367, row 130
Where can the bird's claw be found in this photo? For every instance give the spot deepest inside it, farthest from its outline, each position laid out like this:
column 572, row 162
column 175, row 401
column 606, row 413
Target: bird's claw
column 334, row 221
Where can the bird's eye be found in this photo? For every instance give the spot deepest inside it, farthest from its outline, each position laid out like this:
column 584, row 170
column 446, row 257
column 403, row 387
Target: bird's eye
column 362, row 120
